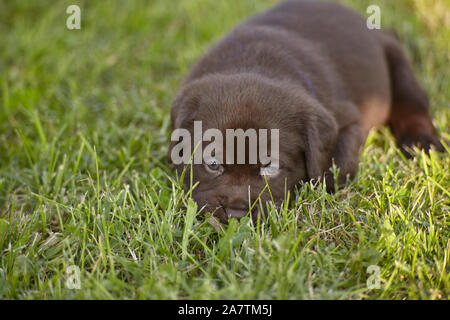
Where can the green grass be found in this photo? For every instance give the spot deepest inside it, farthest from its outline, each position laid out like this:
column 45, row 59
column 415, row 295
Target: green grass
column 84, row 180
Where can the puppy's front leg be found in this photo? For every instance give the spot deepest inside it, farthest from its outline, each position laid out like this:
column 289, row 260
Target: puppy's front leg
column 348, row 146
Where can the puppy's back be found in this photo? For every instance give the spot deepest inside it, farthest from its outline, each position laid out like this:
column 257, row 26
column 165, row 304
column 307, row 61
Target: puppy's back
column 324, row 42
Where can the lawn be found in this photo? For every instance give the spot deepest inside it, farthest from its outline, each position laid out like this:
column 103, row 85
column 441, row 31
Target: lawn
column 85, row 182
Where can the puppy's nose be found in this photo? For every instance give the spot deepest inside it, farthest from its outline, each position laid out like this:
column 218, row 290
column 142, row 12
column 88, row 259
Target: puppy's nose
column 236, row 213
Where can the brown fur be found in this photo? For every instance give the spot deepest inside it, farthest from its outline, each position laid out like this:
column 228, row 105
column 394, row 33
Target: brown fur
column 313, row 70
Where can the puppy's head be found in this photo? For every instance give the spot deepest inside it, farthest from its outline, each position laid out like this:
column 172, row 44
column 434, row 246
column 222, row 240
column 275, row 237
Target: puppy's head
column 295, row 137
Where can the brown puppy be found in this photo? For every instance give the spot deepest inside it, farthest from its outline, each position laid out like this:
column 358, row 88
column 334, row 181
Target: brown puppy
column 315, row 72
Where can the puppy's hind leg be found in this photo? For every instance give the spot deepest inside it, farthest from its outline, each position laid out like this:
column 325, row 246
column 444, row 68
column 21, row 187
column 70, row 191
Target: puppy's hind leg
column 409, row 120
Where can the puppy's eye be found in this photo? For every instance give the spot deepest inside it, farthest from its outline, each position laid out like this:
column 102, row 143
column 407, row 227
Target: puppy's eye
column 214, row 166
column 268, row 170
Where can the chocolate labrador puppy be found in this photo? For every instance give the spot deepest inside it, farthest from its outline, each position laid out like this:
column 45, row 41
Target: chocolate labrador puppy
column 313, row 72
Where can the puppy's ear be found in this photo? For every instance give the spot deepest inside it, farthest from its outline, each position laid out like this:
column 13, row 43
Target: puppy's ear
column 182, row 113
column 320, row 132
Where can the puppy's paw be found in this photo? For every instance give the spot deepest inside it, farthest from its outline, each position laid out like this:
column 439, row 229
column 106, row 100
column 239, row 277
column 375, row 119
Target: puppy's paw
column 329, row 180
column 423, row 141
